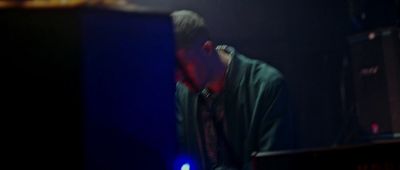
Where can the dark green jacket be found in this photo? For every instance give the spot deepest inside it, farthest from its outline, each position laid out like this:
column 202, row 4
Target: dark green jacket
column 255, row 105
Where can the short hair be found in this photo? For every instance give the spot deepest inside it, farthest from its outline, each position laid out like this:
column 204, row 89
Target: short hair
column 189, row 27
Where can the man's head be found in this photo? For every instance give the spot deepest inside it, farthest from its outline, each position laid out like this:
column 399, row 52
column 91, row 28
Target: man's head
column 195, row 52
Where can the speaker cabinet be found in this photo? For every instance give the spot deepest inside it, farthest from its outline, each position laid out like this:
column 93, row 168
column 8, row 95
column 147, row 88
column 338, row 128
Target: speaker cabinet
column 376, row 74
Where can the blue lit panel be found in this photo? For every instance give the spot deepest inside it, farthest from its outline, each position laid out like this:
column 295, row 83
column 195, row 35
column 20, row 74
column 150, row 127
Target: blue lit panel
column 128, row 75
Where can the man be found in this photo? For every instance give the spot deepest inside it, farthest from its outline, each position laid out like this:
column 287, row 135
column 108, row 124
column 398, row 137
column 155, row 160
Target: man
column 228, row 106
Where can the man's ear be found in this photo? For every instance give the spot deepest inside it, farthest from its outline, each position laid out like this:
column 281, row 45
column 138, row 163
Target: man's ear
column 208, row 47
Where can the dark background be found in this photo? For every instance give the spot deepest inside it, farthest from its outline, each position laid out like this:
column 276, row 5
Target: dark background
column 307, row 41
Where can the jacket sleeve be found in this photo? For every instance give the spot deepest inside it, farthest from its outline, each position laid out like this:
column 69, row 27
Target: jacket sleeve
column 272, row 124
column 275, row 129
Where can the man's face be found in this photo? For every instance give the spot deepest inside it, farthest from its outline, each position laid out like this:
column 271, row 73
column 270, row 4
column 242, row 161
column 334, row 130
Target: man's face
column 192, row 68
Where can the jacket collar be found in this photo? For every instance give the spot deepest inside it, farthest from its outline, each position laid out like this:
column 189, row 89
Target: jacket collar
column 233, row 75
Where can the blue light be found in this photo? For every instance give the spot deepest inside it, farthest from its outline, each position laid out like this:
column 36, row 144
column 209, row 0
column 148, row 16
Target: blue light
column 185, row 166
column 185, row 162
